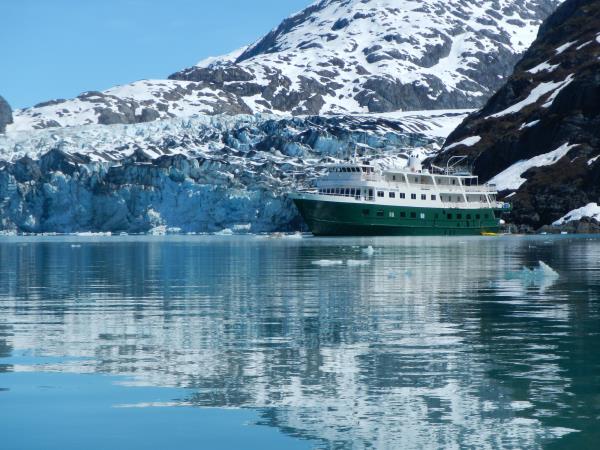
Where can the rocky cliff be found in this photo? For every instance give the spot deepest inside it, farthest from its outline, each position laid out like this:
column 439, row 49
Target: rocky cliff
column 538, row 137
column 6, row 117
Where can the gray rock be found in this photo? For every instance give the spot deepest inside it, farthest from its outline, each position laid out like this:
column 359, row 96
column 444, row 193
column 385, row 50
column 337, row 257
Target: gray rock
column 6, row 117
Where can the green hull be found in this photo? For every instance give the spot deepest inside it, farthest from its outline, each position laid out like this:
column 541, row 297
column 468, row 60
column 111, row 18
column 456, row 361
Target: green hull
column 331, row 218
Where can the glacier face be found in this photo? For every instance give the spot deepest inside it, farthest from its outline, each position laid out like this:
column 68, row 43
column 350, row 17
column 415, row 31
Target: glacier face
column 336, row 56
column 202, row 174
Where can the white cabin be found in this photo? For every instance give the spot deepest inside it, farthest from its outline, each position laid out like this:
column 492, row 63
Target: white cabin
column 409, row 187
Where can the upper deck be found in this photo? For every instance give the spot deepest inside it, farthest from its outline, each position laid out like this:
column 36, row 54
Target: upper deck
column 367, row 175
column 410, row 186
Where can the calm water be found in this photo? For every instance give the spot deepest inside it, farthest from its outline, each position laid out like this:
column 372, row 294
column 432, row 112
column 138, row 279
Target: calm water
column 248, row 343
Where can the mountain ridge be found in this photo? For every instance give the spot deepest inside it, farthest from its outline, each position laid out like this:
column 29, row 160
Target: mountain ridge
column 334, row 57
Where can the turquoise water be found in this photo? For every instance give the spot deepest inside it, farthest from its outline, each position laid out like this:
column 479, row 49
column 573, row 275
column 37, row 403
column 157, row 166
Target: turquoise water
column 268, row 343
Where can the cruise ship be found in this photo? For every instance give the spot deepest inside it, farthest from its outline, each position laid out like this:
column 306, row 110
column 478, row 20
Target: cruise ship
column 356, row 199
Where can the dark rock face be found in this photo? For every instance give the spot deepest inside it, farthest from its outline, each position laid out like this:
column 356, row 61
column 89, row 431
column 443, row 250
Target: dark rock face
column 552, row 99
column 5, row 114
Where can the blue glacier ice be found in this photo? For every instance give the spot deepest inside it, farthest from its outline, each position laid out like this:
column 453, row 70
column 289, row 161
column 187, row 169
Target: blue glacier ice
column 202, row 174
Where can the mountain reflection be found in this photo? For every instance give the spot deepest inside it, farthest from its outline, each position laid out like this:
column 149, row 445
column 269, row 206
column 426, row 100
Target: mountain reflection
column 426, row 345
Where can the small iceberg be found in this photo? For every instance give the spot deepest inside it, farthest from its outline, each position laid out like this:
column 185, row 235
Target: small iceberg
column 224, row 232
column 92, row 233
column 542, row 276
column 392, row 274
column 328, row 262
column 357, row 262
column 543, row 271
column 369, row 251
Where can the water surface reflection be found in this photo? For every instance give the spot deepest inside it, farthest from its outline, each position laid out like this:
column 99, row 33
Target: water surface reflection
column 426, row 344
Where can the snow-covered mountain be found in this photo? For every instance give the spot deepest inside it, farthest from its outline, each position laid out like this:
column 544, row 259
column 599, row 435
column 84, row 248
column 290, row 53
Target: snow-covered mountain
column 538, row 138
column 200, row 174
column 336, row 56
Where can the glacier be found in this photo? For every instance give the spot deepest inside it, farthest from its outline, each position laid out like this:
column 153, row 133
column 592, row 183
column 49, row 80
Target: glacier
column 199, row 174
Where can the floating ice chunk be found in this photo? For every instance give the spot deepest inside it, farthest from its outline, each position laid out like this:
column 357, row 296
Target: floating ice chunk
column 93, row 234
column 357, row 262
column 395, row 274
column 521, row 405
column 294, row 236
column 224, row 232
column 546, row 270
column 369, row 251
column 158, row 231
column 542, row 276
column 328, row 262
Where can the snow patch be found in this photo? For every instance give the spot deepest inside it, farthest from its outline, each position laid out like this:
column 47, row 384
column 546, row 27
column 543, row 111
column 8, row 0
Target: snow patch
column 543, row 67
column 591, row 210
column 564, row 47
column 510, row 179
column 468, row 142
column 529, row 125
column 537, row 93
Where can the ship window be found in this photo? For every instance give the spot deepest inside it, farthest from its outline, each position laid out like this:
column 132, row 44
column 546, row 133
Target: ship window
column 468, row 216
column 380, row 213
column 347, row 192
column 402, row 195
column 380, row 194
column 394, row 177
column 433, row 197
column 477, row 216
column 423, row 197
column 370, row 193
column 392, row 195
column 402, row 214
column 391, row 214
column 453, row 181
column 422, row 215
column 459, row 216
column 413, row 215
column 449, row 216
column 413, row 196
column 365, row 212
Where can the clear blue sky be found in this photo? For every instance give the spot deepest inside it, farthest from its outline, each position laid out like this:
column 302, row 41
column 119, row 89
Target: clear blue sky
column 60, row 48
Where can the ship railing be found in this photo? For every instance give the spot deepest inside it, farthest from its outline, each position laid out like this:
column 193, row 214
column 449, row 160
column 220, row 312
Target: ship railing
column 316, row 192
